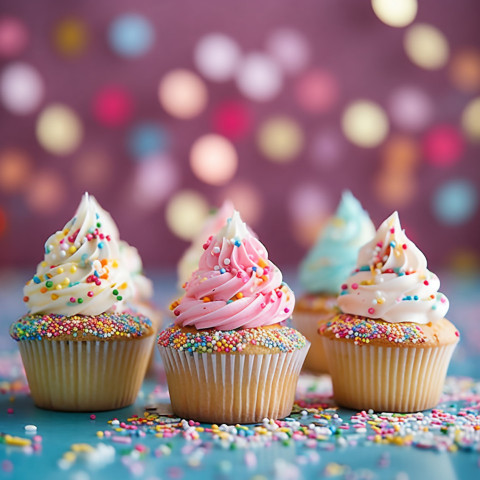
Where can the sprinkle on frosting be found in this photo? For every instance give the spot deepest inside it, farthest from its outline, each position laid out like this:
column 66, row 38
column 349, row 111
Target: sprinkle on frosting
column 82, row 272
column 364, row 330
column 189, row 261
column 334, row 255
column 392, row 282
column 103, row 326
column 235, row 286
column 284, row 339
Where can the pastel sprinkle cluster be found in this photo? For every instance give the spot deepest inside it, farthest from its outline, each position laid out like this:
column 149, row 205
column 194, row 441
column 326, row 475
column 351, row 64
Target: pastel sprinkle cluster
column 284, row 339
column 104, row 326
column 363, row 330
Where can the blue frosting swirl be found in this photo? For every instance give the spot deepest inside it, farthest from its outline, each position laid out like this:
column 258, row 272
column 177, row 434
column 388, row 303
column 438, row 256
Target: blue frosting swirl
column 331, row 260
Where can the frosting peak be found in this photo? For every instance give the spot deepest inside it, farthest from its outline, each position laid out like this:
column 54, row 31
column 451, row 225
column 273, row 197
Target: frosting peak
column 189, row 261
column 235, row 286
column 234, row 228
column 333, row 257
column 392, row 282
column 81, row 272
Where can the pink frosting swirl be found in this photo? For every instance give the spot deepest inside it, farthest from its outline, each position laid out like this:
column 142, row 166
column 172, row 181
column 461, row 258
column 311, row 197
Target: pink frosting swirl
column 235, row 286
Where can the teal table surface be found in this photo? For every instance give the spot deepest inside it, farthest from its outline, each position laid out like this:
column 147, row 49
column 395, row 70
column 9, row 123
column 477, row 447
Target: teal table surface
column 316, row 441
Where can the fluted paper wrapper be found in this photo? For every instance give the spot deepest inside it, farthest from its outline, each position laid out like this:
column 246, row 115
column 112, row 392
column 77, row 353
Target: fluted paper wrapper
column 85, row 375
column 391, row 379
column 308, row 324
column 232, row 388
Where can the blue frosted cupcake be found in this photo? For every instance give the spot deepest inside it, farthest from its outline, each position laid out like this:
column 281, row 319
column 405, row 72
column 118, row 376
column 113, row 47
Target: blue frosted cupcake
column 324, row 270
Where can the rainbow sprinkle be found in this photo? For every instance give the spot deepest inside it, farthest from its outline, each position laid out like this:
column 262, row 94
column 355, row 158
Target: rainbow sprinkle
column 284, row 339
column 104, row 326
column 363, row 330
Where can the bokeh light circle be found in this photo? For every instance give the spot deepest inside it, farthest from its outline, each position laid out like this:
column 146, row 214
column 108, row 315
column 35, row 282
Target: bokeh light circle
column 213, row 159
column 309, row 206
column 247, row 199
column 400, row 155
column 15, row 169
column 258, row 77
column 186, row 213
column 46, row 192
column 13, row 36
column 365, row 123
column 464, row 70
column 70, row 36
column 182, row 94
column 280, row 139
column 154, row 180
column 92, row 169
column 217, row 57
column 146, row 139
column 395, row 13
column 443, row 145
column 395, row 189
column 112, row 106
column 317, row 91
column 3, row 221
column 426, row 46
column 59, row 129
column 410, row 108
column 455, row 202
column 21, row 88
column 289, row 48
column 326, row 148
column 471, row 120
column 232, row 119
column 131, row 35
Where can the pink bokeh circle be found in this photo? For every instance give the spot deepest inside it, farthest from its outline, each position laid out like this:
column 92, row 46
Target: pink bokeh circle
column 113, row 106
column 317, row 91
column 443, row 145
column 13, row 36
column 232, row 119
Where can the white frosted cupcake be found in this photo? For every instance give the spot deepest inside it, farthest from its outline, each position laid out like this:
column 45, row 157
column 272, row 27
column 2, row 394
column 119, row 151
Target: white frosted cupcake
column 82, row 348
column 390, row 348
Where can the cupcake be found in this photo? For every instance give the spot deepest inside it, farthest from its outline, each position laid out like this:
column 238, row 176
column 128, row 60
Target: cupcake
column 229, row 357
column 325, row 268
column 390, row 347
column 189, row 261
column 82, row 349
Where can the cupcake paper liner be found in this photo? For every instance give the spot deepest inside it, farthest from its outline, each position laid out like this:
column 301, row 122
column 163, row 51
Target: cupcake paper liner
column 307, row 324
column 396, row 379
column 85, row 375
column 232, row 388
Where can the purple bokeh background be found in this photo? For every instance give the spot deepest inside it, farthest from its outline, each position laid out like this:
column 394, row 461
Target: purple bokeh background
column 345, row 38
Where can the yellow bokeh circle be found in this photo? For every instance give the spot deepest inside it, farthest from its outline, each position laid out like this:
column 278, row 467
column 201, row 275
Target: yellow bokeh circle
column 365, row 123
column 70, row 36
column 280, row 139
column 395, row 13
column 59, row 129
column 471, row 120
column 426, row 46
column 186, row 213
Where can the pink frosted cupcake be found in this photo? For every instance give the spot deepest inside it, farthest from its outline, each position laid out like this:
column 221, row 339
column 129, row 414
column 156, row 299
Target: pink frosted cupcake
column 229, row 358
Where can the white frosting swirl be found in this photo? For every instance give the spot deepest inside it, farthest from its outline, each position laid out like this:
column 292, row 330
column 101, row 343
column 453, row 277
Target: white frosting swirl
column 392, row 282
column 82, row 272
column 129, row 258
